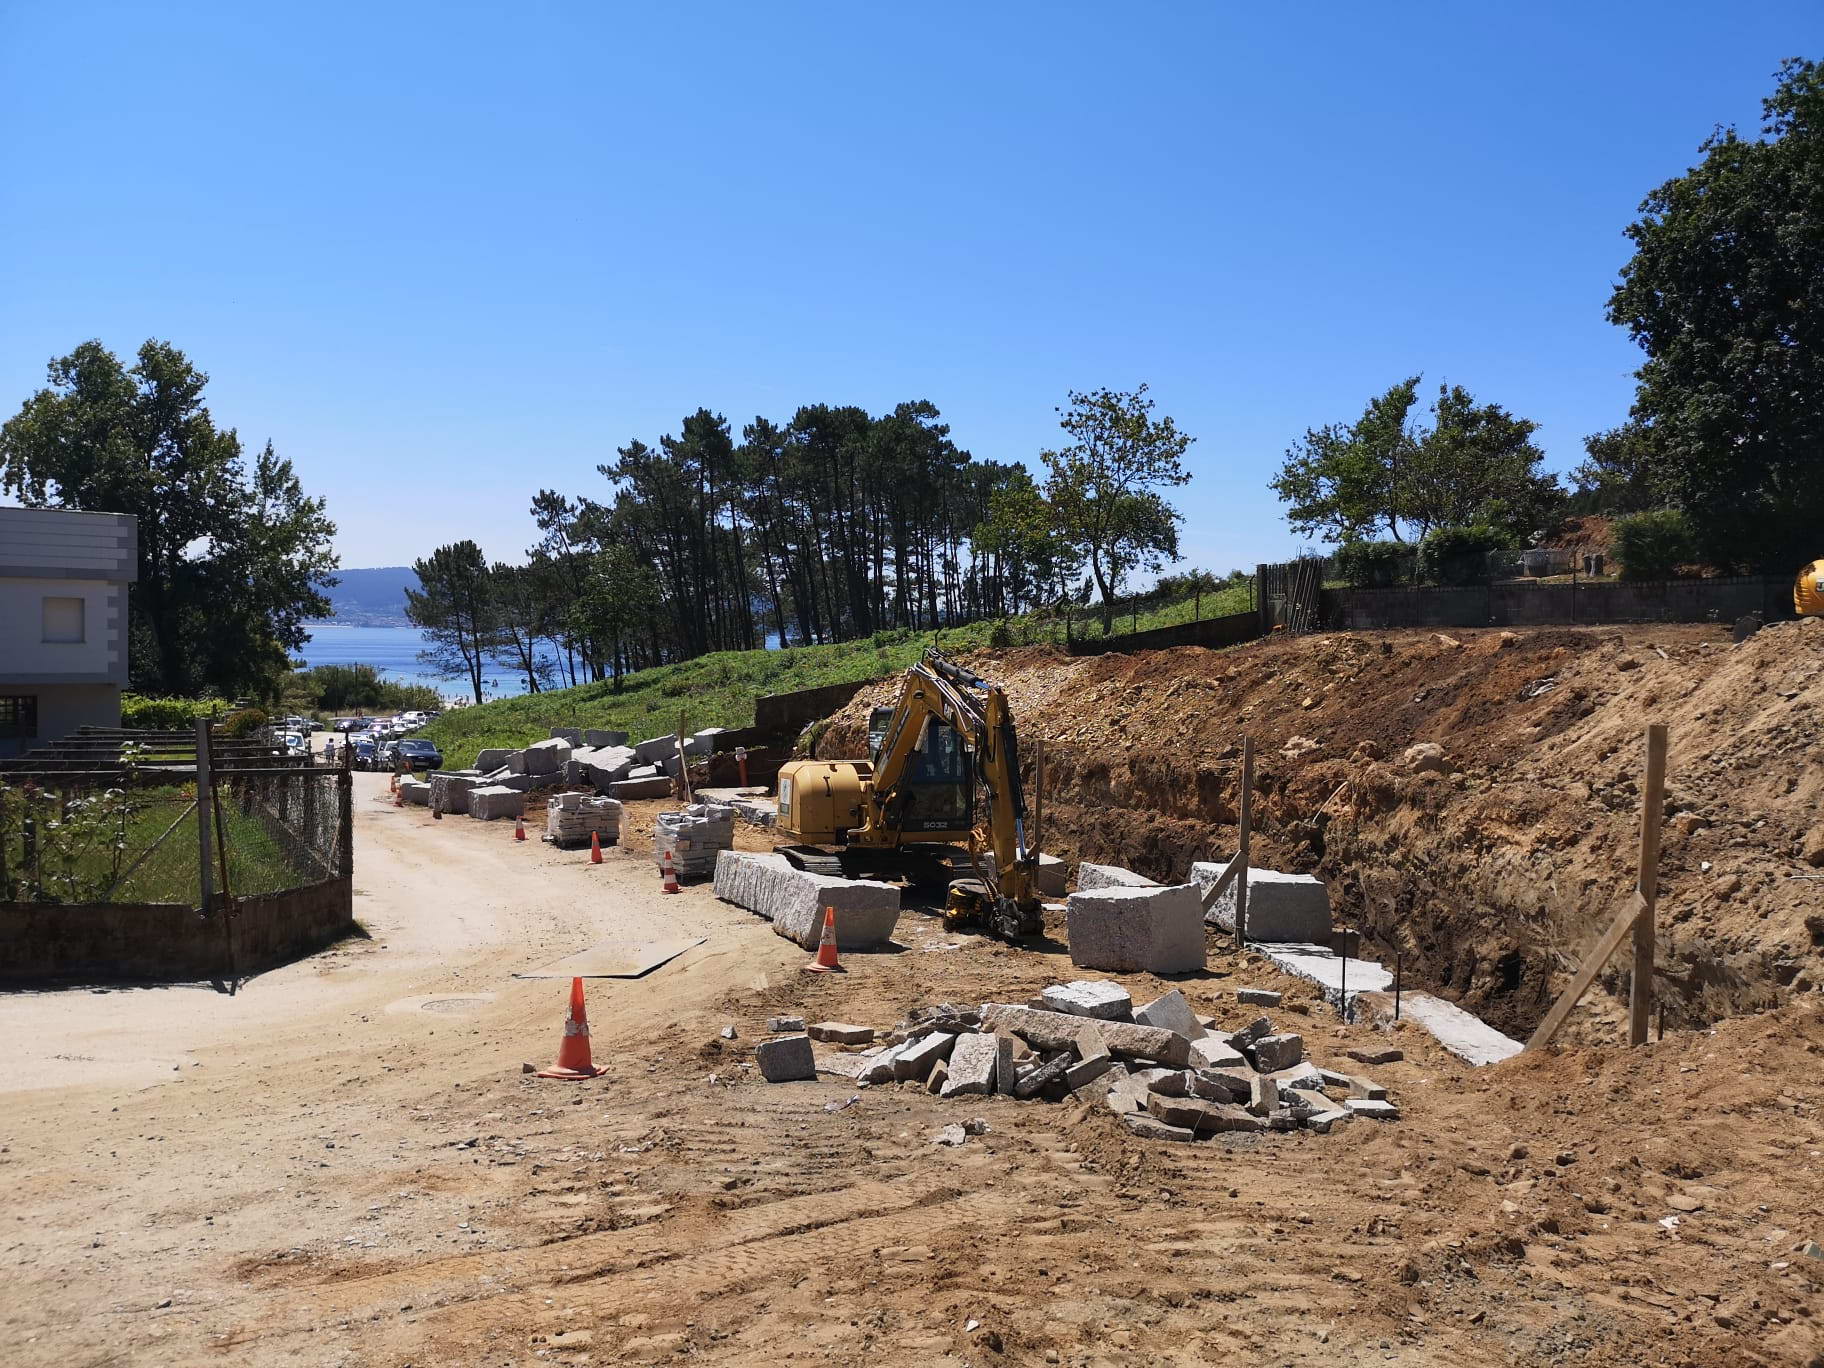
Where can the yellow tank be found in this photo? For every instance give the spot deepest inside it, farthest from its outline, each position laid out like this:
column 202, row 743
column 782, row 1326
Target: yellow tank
column 819, row 799
column 1808, row 591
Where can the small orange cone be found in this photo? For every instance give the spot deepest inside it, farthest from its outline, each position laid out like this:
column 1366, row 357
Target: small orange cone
column 573, row 1057
column 519, row 828
column 670, row 873
column 595, row 847
column 398, row 796
column 825, row 960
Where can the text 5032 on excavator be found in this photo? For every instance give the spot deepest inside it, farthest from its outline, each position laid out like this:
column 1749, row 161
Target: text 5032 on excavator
column 909, row 808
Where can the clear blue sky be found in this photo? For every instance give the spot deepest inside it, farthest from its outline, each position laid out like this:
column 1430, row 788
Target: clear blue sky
column 445, row 254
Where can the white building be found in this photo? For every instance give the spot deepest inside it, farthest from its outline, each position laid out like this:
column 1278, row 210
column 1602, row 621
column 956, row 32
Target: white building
column 63, row 621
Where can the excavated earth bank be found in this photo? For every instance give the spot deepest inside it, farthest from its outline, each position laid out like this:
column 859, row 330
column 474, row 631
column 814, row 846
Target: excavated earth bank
column 1492, row 874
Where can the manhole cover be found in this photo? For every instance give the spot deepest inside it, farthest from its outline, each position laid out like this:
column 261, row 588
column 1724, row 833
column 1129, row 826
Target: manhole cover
column 443, row 1004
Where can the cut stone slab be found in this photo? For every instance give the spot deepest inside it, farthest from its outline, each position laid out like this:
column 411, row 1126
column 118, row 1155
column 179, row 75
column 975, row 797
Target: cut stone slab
column 1199, row 1116
column 450, row 792
column 1090, row 998
column 659, row 787
column 1152, row 1128
column 1353, row 1084
column 1275, row 1052
column 1223, row 1085
column 570, row 734
column 848, row 1065
column 1333, row 975
column 1088, row 1070
column 1281, row 907
column 794, row 900
column 786, row 1059
column 548, row 756
column 918, row 1058
column 971, row 1065
column 657, row 748
column 785, row 1023
column 1092, row 1045
column 1303, row 1075
column 1466, row 1036
column 492, row 759
column 1373, row 1108
column 609, row 765
column 594, row 737
column 1257, row 997
column 1060, row 1031
column 495, row 801
column 841, row 1033
column 939, row 1075
column 1371, row 1055
column 1213, row 1052
column 1125, row 1094
column 1264, row 1099
column 1036, row 1079
column 883, row 1066
column 1174, row 1013
column 1093, row 876
column 1133, row 929
column 415, row 791
column 1006, row 1048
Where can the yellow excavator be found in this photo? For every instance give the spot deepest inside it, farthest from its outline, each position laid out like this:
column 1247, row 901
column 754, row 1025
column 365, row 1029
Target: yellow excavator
column 909, row 809
column 1808, row 591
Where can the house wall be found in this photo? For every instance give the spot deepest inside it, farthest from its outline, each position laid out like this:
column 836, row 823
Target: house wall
column 100, row 658
column 62, row 709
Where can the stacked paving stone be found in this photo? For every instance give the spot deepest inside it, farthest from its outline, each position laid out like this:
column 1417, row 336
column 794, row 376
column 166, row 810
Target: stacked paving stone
column 573, row 817
column 1160, row 1068
column 694, row 836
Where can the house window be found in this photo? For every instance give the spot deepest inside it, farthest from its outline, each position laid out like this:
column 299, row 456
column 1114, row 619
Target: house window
column 63, row 620
column 18, row 715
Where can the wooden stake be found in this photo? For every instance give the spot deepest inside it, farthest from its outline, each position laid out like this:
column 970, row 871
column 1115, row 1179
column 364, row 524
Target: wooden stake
column 1247, row 827
column 1652, row 812
column 1038, row 795
column 1586, row 973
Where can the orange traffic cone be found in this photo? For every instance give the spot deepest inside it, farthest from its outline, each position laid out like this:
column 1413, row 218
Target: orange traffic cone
column 519, row 828
column 398, row 795
column 573, row 1057
column 670, row 873
column 824, row 962
column 595, row 847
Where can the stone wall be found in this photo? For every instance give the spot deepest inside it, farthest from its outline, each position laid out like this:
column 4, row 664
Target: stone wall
column 168, row 942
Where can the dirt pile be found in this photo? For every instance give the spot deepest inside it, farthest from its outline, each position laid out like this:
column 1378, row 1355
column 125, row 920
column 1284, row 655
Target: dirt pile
column 1492, row 869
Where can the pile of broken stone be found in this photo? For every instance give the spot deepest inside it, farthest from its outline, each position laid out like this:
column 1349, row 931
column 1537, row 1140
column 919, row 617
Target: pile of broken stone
column 1166, row 1072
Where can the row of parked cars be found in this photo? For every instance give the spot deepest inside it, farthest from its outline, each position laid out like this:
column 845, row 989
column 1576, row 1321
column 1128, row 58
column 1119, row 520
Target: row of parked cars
column 383, row 743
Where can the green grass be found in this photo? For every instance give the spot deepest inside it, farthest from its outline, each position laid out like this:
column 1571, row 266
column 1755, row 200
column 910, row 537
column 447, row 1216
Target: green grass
column 719, row 690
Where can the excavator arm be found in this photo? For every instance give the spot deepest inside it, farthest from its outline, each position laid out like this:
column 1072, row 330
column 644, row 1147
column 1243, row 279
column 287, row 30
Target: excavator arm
column 939, row 689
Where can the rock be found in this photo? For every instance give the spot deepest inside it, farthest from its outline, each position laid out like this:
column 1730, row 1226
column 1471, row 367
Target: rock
column 1323, row 1113
column 546, row 757
column 917, row 1059
column 570, row 734
column 600, row 739
column 1151, row 1128
column 1303, row 1075
column 1223, row 1085
column 1256, row 997
column 1811, row 849
column 950, row 1135
column 1093, row 876
column 729, row 1033
column 1372, row 1107
column 1199, row 1116
column 785, row 1023
column 1372, row 1055
column 1281, row 907
column 1426, row 756
column 1035, row 1079
column 492, row 759
column 1275, row 1052
column 496, row 801
column 1088, row 1071
column 1244, row 1038
column 786, row 1059
column 1126, row 1094
column 841, row 1033
column 1264, row 1098
column 1213, row 1052
column 1172, row 1012
column 1059, row 1031
column 1092, row 1044
column 625, row 789
column 866, row 911
column 1089, row 998
column 415, row 791
column 1130, row 929
column 1369, row 750
column 450, row 792
column 939, row 1075
column 1006, row 1047
column 972, row 1062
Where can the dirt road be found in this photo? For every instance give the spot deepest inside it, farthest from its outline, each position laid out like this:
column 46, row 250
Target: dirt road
column 322, row 1171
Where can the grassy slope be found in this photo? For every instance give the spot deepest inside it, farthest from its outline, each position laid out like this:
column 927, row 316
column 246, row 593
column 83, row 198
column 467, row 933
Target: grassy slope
column 719, row 690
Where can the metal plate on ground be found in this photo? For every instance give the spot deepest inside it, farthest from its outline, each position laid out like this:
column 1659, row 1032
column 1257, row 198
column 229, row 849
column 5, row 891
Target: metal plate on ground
column 616, row 959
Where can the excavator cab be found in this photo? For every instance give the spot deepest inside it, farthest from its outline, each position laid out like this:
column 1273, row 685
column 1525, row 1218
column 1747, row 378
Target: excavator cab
column 937, row 792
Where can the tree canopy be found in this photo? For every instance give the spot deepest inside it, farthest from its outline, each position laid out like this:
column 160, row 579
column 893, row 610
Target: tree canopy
column 233, row 557
column 1725, row 295
column 1474, row 464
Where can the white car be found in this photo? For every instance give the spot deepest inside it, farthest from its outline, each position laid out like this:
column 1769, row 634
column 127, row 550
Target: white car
column 295, row 743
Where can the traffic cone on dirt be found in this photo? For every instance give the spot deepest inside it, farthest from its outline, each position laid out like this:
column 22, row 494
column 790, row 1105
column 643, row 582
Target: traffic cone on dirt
column 519, row 828
column 573, row 1057
column 824, row 961
column 595, row 847
column 669, row 872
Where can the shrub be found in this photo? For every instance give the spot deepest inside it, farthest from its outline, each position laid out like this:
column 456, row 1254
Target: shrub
column 1459, row 555
column 1370, row 564
column 1652, row 545
column 244, row 723
column 166, row 714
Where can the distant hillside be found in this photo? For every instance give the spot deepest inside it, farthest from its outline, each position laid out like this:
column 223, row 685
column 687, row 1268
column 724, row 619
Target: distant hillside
column 372, row 598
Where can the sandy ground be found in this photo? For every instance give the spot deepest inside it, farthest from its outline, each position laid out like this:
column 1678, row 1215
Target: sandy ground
column 329, row 1169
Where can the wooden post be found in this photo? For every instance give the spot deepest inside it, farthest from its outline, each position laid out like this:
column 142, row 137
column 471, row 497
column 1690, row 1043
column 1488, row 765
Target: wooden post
column 345, row 819
column 1242, row 850
column 205, row 820
column 1652, row 812
column 1038, row 795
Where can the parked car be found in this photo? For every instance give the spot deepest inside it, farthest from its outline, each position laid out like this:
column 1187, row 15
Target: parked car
column 348, row 724
column 294, row 742
column 366, row 746
column 419, row 754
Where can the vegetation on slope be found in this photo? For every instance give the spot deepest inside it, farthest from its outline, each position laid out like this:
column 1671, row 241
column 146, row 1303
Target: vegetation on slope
column 718, row 690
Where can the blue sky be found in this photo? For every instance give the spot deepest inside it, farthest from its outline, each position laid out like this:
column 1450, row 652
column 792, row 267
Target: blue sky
column 445, row 254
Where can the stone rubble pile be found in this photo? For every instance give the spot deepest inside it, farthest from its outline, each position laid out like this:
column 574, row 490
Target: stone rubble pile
column 694, row 836
column 573, row 817
column 1161, row 1068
